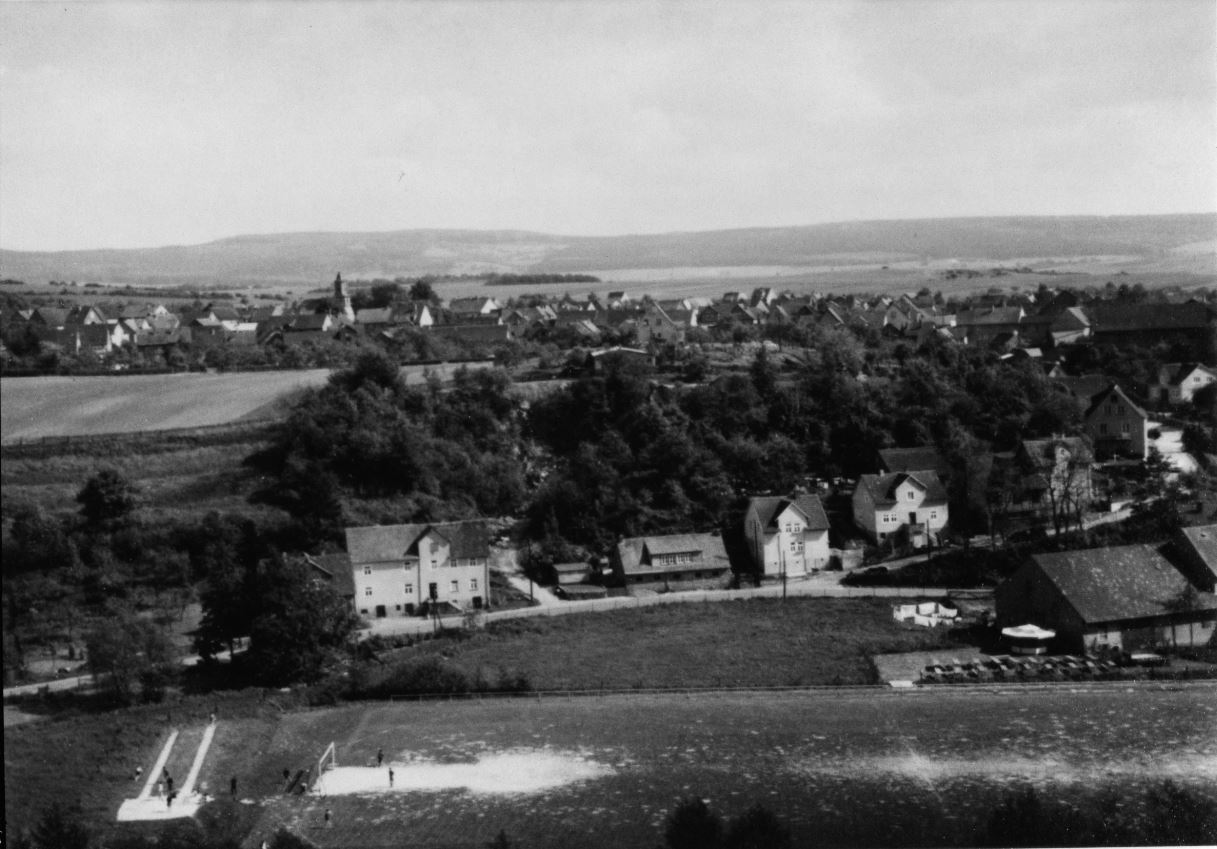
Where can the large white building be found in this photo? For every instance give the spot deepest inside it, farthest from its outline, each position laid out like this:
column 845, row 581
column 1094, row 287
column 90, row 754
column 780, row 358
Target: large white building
column 787, row 536
column 396, row 568
column 911, row 504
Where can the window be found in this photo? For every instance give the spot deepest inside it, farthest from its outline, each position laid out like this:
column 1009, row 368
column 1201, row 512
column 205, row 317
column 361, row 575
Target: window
column 367, row 570
column 1103, row 428
column 1124, row 427
column 473, row 584
column 456, row 587
column 1120, row 409
column 910, row 495
column 933, row 514
column 409, row 589
column 367, row 591
column 434, row 563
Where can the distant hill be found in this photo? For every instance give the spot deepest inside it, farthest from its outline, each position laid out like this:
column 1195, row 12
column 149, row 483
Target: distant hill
column 1182, row 242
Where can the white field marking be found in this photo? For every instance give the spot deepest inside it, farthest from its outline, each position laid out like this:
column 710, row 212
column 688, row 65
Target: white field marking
column 513, row 772
column 155, row 775
column 204, row 745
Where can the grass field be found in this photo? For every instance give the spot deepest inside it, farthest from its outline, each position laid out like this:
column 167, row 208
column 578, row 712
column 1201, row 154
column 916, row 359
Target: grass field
column 852, row 768
column 33, row 407
column 760, row 642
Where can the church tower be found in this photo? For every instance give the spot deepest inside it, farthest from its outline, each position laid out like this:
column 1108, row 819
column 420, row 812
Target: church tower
column 341, row 300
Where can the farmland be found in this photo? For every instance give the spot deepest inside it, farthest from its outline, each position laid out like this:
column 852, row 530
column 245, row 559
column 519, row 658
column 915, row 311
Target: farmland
column 34, row 407
column 928, row 765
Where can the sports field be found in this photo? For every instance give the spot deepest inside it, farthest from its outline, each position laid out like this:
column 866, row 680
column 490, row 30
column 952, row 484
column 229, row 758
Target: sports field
column 854, row 768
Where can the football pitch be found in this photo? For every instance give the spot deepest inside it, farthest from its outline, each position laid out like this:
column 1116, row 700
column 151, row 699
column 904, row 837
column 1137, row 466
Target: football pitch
column 846, row 767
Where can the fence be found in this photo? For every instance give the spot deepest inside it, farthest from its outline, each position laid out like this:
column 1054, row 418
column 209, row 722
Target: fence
column 421, row 626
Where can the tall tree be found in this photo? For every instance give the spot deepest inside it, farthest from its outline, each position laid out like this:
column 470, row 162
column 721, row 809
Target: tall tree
column 107, row 498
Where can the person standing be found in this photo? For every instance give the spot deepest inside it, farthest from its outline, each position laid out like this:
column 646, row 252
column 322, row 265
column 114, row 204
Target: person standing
column 380, row 757
column 232, row 787
column 329, row 819
column 390, row 776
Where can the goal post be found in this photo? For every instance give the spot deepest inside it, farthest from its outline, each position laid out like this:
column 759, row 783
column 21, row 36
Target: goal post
column 328, row 760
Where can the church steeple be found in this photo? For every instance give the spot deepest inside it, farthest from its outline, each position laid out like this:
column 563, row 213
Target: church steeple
column 341, row 302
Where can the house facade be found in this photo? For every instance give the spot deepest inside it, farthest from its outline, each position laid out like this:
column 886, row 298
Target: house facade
column 1116, row 425
column 911, row 505
column 397, row 568
column 787, row 536
column 1124, row 597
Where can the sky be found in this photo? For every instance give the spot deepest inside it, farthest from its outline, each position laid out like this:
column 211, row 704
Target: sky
column 144, row 124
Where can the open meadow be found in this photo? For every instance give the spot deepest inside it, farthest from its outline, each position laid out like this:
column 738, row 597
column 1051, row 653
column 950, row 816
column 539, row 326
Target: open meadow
column 868, row 767
column 34, row 407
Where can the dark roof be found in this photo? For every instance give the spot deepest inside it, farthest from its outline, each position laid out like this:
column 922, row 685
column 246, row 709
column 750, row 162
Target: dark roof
column 1116, row 584
column 993, row 315
column 1202, row 541
column 883, row 488
column 769, row 508
column 634, row 551
column 385, row 543
column 910, row 459
column 1116, row 318
column 336, row 568
column 1084, row 387
column 1118, row 393
column 475, row 332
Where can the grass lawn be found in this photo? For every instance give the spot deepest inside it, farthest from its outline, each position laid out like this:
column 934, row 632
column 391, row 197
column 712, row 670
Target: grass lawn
column 760, row 642
column 869, row 769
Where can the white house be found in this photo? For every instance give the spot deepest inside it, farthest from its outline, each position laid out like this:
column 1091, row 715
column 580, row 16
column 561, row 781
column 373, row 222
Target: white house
column 787, row 535
column 912, row 503
column 1117, row 425
column 396, row 568
column 1178, row 382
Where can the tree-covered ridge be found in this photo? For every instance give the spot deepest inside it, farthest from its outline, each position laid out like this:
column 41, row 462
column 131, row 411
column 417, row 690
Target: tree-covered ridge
column 620, row 452
column 434, row 455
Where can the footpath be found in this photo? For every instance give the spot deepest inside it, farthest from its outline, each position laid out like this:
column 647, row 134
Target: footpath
column 823, row 586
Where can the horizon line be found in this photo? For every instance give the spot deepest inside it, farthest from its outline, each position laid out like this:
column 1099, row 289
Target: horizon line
column 624, row 235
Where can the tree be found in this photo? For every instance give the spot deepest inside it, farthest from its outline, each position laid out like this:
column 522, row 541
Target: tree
column 421, row 290
column 124, row 648
column 298, row 621
column 693, row 826
column 107, row 498
column 757, row 828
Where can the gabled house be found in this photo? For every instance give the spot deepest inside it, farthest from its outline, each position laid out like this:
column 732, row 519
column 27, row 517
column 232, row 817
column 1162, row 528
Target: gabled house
column 787, row 536
column 398, row 568
column 683, row 558
column 1125, row 597
column 656, row 326
column 1117, row 426
column 1056, row 474
column 462, row 309
column 898, row 505
column 1176, row 383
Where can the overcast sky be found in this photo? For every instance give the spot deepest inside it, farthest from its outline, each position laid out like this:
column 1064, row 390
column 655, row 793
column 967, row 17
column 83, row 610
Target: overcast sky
column 145, row 124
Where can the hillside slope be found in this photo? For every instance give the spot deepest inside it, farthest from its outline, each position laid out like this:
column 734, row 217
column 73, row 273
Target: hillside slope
column 1184, row 242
